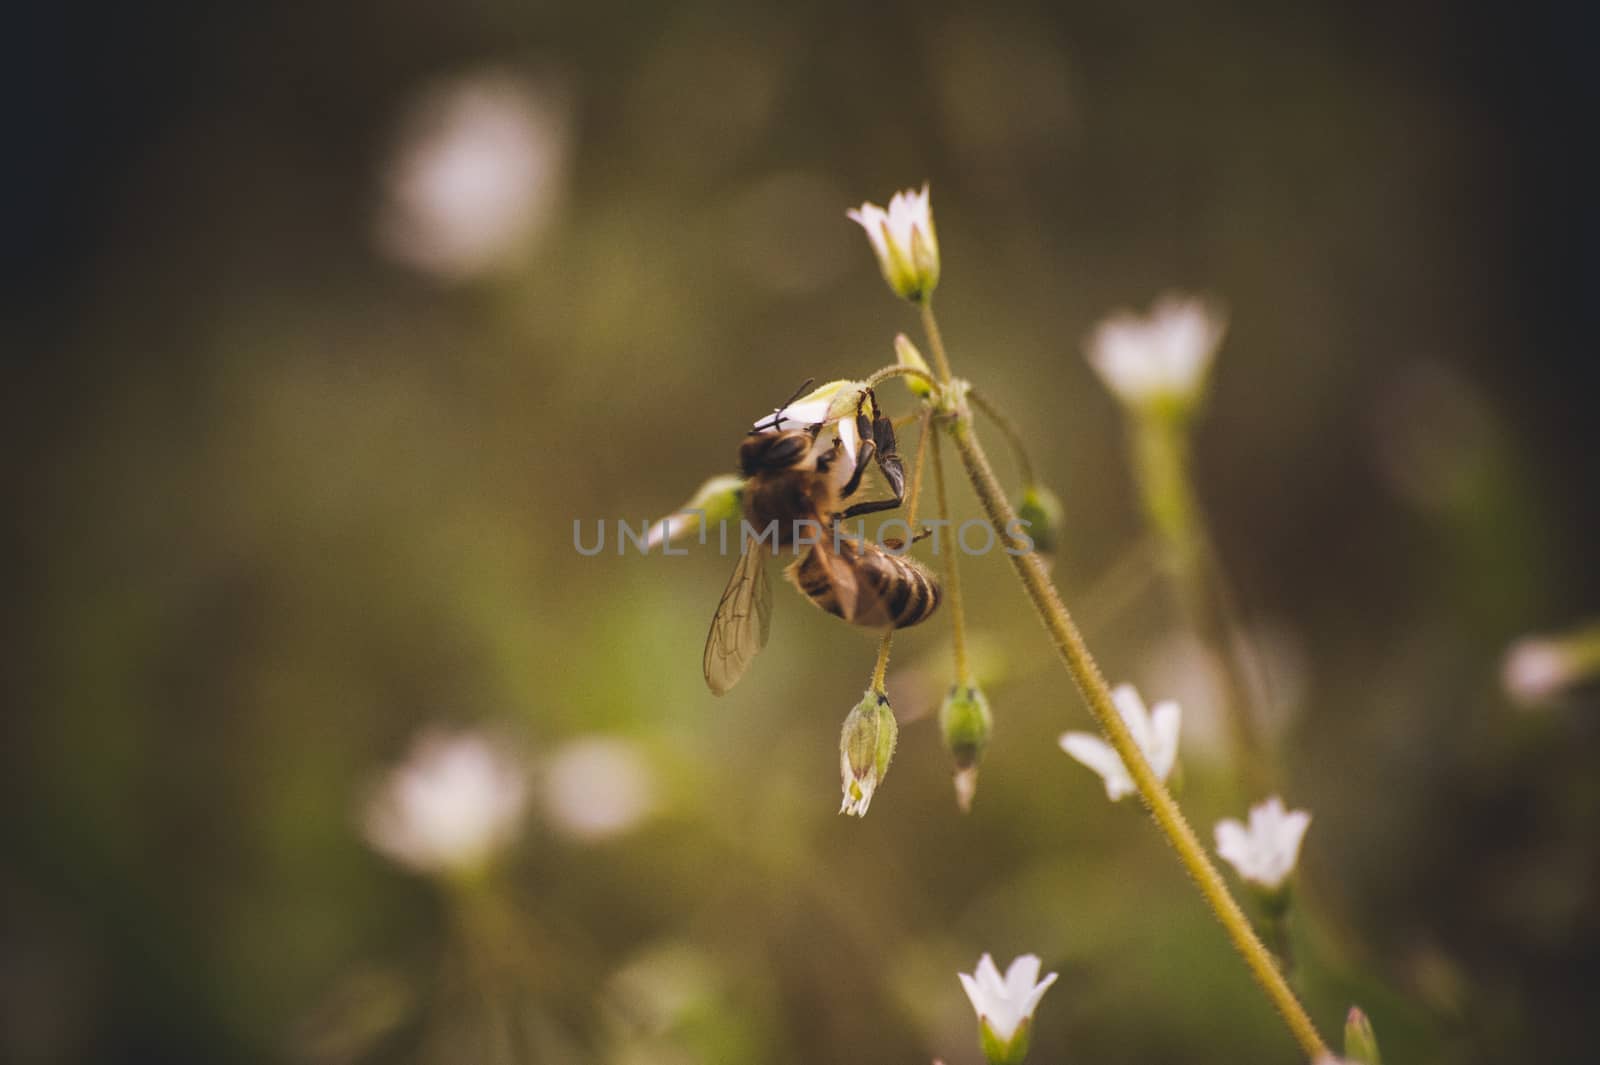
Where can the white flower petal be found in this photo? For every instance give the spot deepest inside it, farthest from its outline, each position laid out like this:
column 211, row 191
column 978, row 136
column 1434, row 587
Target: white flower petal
column 1099, row 756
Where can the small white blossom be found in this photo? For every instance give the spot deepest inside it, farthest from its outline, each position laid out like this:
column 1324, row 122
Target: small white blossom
column 1159, row 359
column 1004, row 1005
column 1154, row 731
column 453, row 805
column 478, row 175
column 1264, row 854
column 1537, row 669
column 904, row 240
column 835, row 402
column 597, row 787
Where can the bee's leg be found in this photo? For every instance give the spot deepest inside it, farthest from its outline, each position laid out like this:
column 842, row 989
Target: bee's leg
column 877, row 434
column 881, row 432
column 863, row 459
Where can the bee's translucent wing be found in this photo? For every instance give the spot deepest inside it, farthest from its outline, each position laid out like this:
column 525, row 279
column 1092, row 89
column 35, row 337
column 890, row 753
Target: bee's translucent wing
column 742, row 622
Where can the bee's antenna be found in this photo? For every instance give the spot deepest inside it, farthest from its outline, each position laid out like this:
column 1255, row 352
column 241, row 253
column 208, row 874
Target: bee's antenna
column 777, row 412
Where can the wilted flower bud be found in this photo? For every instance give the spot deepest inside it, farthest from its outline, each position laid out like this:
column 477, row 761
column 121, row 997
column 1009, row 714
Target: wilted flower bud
column 866, row 747
column 906, row 354
column 1041, row 512
column 904, row 240
column 1360, row 1042
column 718, row 500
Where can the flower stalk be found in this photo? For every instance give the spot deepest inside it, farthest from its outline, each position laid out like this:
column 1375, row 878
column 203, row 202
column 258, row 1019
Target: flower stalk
column 1080, row 664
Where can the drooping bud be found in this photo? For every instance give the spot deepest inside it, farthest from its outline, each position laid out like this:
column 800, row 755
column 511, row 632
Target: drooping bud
column 866, row 747
column 966, row 724
column 718, row 500
column 1041, row 513
column 906, row 354
column 1360, row 1042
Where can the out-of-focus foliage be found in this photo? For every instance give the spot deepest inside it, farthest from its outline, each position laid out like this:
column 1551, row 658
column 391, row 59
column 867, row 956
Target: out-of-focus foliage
column 308, row 396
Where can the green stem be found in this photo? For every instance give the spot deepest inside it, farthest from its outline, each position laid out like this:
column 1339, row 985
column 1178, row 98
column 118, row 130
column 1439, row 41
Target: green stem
column 930, row 326
column 889, row 372
column 952, row 576
column 1165, row 477
column 1007, row 429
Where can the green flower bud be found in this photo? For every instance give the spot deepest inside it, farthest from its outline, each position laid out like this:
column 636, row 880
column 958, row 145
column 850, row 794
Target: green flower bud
column 718, row 500
column 906, row 354
column 1041, row 513
column 1360, row 1043
column 866, row 747
column 966, row 722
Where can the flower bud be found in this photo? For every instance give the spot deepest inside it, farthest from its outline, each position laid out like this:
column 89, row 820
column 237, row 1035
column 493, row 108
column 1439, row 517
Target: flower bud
column 718, row 500
column 866, row 747
column 904, row 241
column 1360, row 1043
column 1041, row 513
column 906, row 354
column 966, row 722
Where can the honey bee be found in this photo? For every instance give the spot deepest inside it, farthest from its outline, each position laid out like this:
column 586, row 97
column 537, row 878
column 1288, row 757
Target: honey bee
column 798, row 488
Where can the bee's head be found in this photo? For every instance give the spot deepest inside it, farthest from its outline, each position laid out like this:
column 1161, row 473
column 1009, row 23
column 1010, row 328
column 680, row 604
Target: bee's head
column 770, row 452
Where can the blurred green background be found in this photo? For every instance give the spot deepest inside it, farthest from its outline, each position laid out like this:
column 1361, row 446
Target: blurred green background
column 296, row 438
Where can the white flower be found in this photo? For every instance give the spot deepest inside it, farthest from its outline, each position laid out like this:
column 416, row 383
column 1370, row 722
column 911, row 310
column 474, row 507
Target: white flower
column 597, row 787
column 1004, row 1004
column 1264, row 853
column 834, row 402
column 905, row 242
column 451, row 807
column 479, row 173
column 1539, row 668
column 1155, row 732
column 1159, row 359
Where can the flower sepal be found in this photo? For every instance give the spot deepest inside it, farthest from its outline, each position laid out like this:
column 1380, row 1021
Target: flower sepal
column 999, row 1051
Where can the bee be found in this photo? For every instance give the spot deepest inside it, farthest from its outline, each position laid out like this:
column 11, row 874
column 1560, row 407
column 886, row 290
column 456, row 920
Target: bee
column 798, row 488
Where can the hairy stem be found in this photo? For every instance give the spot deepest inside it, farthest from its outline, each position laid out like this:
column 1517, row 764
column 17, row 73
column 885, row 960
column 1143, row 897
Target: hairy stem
column 1007, row 429
column 952, row 576
column 881, row 669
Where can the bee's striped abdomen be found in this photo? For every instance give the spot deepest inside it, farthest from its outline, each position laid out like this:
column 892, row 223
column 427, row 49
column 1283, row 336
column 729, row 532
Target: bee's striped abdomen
column 890, row 589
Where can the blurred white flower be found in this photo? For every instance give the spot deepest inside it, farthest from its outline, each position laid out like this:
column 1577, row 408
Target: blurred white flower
column 1539, row 668
column 904, row 240
column 1265, row 853
column 1155, row 732
column 455, row 803
column 1004, row 1005
column 1160, row 359
column 598, row 786
column 478, row 173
